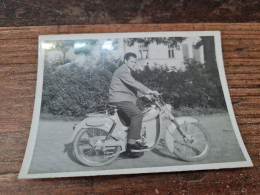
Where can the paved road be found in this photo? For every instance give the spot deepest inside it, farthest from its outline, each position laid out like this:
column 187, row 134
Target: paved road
column 49, row 155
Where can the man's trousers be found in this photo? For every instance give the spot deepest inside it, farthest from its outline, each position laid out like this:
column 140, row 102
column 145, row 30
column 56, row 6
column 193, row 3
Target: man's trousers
column 134, row 114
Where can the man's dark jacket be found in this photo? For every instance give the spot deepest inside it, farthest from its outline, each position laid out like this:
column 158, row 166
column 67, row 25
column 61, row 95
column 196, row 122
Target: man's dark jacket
column 124, row 87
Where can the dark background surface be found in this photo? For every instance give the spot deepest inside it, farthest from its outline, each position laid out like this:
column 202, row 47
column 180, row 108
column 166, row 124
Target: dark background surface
column 18, row 73
column 69, row 12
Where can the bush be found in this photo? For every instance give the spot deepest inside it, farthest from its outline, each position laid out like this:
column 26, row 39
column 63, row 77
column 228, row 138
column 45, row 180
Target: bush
column 75, row 91
column 192, row 87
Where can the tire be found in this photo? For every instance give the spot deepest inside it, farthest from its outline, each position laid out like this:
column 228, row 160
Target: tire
column 195, row 150
column 86, row 152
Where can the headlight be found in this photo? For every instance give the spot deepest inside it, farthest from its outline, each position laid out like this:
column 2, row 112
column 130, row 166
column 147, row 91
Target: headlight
column 168, row 107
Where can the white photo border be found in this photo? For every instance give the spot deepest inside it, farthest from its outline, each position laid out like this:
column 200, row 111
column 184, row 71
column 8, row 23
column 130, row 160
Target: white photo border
column 38, row 97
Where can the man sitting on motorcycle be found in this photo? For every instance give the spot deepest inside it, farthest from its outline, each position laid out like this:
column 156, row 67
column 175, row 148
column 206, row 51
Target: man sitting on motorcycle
column 123, row 93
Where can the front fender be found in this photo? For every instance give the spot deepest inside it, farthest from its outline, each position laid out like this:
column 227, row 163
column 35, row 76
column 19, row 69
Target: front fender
column 171, row 127
column 186, row 119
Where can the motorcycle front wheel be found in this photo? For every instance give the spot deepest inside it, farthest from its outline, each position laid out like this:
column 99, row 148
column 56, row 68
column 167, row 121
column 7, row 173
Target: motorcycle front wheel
column 195, row 147
column 89, row 150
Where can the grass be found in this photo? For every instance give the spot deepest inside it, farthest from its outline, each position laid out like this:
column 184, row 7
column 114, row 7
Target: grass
column 197, row 111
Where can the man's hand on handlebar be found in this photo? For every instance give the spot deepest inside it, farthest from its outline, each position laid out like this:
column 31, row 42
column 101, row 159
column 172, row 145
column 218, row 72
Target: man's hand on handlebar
column 152, row 94
column 155, row 93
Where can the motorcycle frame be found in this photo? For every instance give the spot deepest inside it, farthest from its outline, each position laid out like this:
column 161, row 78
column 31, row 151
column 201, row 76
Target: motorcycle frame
column 116, row 121
column 175, row 124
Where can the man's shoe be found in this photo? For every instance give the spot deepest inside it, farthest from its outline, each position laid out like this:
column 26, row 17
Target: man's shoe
column 136, row 146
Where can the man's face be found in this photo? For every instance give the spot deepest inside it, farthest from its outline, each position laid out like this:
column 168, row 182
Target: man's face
column 131, row 62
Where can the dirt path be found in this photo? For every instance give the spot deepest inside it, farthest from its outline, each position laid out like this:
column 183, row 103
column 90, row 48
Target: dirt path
column 50, row 157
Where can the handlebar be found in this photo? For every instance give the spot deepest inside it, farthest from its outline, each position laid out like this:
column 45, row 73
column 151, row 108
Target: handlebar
column 155, row 98
column 152, row 95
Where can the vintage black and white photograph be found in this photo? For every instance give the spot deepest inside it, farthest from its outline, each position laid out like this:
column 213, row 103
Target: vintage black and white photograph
column 127, row 103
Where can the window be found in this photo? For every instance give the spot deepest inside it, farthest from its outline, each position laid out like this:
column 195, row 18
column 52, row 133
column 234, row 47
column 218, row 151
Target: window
column 196, row 53
column 171, row 51
column 144, row 51
column 185, row 51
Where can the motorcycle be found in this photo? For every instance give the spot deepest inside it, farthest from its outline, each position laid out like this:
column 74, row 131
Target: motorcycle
column 101, row 137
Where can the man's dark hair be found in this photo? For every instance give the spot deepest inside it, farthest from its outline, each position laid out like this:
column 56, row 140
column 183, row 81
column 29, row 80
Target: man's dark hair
column 128, row 55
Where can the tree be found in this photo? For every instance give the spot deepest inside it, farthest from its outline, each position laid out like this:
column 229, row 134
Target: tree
column 63, row 46
column 79, row 46
column 170, row 41
column 211, row 67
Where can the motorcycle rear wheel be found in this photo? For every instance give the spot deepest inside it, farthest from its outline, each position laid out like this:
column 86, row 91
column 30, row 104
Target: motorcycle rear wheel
column 195, row 148
column 86, row 150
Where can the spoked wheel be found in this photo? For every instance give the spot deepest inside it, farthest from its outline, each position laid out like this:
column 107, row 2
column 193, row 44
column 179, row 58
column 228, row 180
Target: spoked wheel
column 196, row 146
column 90, row 151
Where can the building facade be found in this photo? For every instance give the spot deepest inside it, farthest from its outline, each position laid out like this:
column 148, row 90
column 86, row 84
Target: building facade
column 164, row 55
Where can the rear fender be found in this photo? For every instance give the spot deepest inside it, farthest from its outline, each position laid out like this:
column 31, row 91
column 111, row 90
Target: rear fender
column 83, row 125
